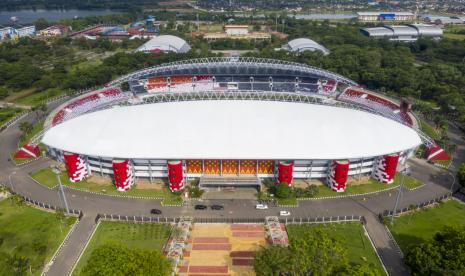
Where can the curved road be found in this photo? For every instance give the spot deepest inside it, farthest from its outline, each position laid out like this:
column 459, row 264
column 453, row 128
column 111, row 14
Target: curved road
column 437, row 183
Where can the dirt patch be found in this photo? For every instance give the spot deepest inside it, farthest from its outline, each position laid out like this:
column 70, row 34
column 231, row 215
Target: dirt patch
column 354, row 181
column 100, row 180
column 143, row 184
column 302, row 183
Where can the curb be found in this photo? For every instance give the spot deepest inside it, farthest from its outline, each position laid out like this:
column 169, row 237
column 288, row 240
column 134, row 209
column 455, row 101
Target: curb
column 30, row 177
column 102, row 194
column 396, row 245
column 353, row 195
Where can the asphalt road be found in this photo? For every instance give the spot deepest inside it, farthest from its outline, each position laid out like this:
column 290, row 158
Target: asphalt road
column 437, row 183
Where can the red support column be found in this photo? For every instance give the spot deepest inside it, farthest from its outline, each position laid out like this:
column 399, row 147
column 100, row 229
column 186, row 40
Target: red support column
column 76, row 166
column 285, row 172
column 386, row 167
column 175, row 175
column 338, row 173
column 123, row 174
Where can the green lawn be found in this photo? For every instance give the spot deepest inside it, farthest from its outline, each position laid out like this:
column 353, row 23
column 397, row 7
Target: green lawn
column 151, row 236
column 350, row 234
column 8, row 113
column 421, row 225
column 47, row 178
column 287, row 201
column 39, row 97
column 429, row 130
column 372, row 186
column 30, row 232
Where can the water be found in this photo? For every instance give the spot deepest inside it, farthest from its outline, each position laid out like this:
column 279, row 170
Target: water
column 29, row 16
column 309, row 16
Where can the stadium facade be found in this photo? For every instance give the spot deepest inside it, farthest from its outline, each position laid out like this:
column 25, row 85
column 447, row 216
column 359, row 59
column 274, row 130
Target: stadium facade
column 232, row 121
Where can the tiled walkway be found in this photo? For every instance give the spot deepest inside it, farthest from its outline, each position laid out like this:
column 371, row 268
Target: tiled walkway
column 222, row 249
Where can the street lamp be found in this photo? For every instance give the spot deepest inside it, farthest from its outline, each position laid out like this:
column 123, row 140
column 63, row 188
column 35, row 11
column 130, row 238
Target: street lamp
column 9, row 180
column 56, row 170
column 404, row 171
column 453, row 183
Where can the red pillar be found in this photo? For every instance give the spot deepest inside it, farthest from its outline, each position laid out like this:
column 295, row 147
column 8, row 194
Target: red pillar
column 122, row 174
column 175, row 175
column 338, row 175
column 76, row 166
column 386, row 167
column 285, row 172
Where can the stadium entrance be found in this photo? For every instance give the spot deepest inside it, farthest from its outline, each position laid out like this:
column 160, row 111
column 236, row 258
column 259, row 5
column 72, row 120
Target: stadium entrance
column 230, row 181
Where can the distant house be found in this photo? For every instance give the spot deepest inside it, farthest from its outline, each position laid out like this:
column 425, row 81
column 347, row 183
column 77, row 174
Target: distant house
column 14, row 31
column 444, row 20
column 300, row 45
column 404, row 33
column 53, row 31
column 385, row 16
column 234, row 30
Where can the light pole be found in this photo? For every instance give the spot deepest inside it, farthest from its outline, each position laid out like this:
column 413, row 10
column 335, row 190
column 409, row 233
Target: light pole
column 399, row 194
column 57, row 173
column 453, row 183
column 9, row 180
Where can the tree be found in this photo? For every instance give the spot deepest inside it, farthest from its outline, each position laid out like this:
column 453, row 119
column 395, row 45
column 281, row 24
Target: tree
column 116, row 259
column 273, row 260
column 444, row 255
column 314, row 253
column 461, row 175
column 3, row 93
column 25, row 127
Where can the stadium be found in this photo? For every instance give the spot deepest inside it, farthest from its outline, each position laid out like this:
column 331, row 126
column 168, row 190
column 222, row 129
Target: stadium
column 232, row 122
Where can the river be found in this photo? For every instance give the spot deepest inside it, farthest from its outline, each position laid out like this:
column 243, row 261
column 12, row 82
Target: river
column 29, row 16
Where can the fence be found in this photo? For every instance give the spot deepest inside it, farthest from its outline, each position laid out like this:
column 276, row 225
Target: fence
column 386, row 213
column 300, row 220
column 14, row 120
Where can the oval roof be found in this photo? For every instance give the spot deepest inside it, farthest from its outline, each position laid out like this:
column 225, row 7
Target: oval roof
column 231, row 130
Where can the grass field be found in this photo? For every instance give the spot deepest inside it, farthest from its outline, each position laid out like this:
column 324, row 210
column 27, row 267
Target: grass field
column 32, row 233
column 47, row 178
column 8, row 113
column 429, row 130
column 350, row 234
column 452, row 31
column 151, row 236
column 372, row 186
column 421, row 225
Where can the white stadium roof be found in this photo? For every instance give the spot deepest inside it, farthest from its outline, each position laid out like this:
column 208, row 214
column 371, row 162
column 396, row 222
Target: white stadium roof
column 304, row 44
column 165, row 43
column 231, row 130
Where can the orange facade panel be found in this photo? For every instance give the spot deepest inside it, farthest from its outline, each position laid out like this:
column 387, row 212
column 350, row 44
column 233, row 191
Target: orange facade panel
column 212, row 167
column 194, row 166
column 248, row 166
column 230, row 166
column 266, row 167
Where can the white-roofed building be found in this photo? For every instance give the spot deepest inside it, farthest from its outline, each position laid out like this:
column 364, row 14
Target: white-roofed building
column 165, row 43
column 406, row 33
column 300, row 45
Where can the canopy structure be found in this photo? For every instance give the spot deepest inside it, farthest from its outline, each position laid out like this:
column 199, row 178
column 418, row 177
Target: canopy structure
column 165, row 43
column 230, row 129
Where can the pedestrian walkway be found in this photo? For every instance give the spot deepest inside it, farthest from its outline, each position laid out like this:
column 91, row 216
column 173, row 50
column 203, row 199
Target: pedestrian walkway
column 385, row 246
column 73, row 247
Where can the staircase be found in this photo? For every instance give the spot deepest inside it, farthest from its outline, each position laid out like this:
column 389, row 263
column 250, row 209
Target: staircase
column 215, row 181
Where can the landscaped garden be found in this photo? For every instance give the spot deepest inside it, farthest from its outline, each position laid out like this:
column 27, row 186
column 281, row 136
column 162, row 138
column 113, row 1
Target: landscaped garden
column 28, row 237
column 47, row 178
column 139, row 236
column 350, row 235
column 421, row 225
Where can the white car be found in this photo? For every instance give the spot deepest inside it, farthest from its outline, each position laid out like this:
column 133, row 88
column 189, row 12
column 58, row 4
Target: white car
column 284, row 213
column 261, row 206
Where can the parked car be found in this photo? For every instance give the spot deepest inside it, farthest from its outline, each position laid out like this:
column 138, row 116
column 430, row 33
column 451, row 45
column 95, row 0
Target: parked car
column 217, row 207
column 261, row 206
column 284, row 213
column 155, row 212
column 200, row 207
